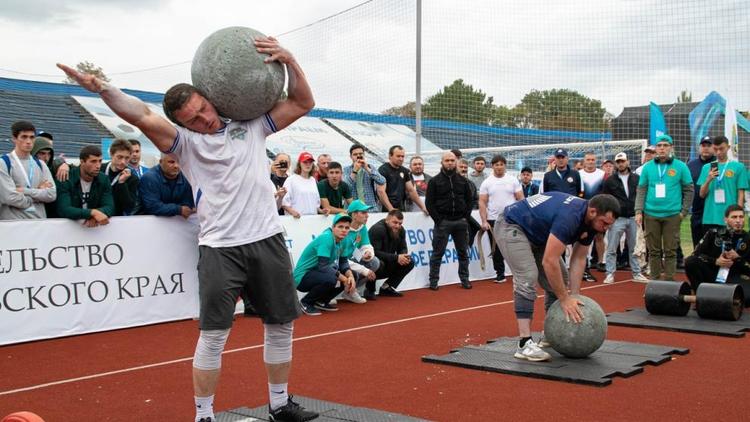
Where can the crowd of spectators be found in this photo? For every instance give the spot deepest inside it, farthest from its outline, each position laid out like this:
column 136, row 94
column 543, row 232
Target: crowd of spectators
column 347, row 258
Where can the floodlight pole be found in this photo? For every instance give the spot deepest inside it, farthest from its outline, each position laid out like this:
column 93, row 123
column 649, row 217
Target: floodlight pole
column 418, row 98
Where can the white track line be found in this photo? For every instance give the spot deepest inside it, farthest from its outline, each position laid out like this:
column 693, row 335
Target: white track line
column 258, row 346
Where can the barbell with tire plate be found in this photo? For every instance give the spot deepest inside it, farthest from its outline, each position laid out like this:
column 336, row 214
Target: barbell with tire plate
column 712, row 300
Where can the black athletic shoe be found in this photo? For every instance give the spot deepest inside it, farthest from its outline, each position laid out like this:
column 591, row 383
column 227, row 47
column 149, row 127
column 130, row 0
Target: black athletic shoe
column 291, row 412
column 309, row 309
column 369, row 295
column 390, row 291
column 466, row 284
column 588, row 277
column 206, row 420
column 326, row 307
column 434, row 285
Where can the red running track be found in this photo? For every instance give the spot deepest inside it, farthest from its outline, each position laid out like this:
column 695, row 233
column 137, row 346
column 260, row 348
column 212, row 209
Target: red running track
column 369, row 355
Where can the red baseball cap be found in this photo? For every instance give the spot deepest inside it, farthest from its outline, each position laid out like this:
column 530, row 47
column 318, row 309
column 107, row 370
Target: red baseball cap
column 305, row 156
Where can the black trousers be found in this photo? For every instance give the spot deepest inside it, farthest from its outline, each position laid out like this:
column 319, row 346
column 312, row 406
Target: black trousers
column 696, row 229
column 459, row 230
column 498, row 261
column 703, row 272
column 393, row 272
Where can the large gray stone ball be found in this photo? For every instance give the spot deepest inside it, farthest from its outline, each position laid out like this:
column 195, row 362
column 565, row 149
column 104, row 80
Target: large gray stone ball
column 232, row 74
column 576, row 340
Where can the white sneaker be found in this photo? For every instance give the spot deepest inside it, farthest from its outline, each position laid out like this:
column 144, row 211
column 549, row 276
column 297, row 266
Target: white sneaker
column 333, row 302
column 543, row 341
column 640, row 278
column 531, row 352
column 609, row 279
column 353, row 297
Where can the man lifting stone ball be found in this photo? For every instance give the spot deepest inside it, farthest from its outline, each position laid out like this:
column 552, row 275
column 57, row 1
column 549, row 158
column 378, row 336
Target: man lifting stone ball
column 241, row 241
column 532, row 235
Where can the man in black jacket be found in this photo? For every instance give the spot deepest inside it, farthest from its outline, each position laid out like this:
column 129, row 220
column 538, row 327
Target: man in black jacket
column 123, row 182
column 562, row 178
column 623, row 186
column 725, row 248
column 449, row 199
column 388, row 239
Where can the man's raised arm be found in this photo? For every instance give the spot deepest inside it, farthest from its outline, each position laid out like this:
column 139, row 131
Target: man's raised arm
column 300, row 98
column 129, row 108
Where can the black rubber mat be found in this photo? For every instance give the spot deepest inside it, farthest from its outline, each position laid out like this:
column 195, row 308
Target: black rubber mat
column 614, row 358
column 333, row 412
column 691, row 323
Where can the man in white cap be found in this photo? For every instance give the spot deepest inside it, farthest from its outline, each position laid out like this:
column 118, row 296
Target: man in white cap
column 623, row 185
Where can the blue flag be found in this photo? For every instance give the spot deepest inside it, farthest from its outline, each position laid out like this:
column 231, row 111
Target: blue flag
column 658, row 126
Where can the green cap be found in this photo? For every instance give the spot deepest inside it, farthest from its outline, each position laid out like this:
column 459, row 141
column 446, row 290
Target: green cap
column 664, row 138
column 339, row 217
column 357, row 206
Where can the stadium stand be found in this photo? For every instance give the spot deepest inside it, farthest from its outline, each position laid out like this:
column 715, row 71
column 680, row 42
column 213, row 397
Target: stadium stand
column 50, row 107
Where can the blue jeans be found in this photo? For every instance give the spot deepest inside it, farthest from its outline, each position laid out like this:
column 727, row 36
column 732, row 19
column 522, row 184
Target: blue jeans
column 320, row 287
column 621, row 225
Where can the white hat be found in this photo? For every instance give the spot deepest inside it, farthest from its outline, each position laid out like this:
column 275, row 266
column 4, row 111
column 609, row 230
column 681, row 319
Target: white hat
column 621, row 156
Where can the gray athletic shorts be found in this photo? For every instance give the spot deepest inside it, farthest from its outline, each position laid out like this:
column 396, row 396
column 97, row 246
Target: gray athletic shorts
column 263, row 269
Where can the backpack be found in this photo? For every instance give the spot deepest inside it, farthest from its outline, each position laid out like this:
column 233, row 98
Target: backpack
column 8, row 164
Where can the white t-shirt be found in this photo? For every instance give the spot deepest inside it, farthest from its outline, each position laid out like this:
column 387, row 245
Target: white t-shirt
column 592, row 182
column 301, row 194
column 501, row 191
column 624, row 178
column 416, row 179
column 228, row 172
column 85, row 193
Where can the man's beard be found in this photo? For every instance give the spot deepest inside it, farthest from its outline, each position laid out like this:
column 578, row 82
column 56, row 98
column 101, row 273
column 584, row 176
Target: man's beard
column 450, row 172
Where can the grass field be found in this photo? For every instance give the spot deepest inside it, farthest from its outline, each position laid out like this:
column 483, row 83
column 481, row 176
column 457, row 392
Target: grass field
column 686, row 239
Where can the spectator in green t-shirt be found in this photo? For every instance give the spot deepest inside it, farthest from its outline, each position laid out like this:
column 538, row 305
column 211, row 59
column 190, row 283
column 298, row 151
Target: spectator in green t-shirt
column 722, row 183
column 665, row 192
column 335, row 195
column 323, row 269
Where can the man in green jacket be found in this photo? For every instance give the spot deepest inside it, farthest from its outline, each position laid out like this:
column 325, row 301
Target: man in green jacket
column 87, row 194
column 665, row 192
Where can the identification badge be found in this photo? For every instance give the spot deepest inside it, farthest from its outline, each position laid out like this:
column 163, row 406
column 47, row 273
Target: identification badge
column 721, row 276
column 719, row 197
column 661, row 190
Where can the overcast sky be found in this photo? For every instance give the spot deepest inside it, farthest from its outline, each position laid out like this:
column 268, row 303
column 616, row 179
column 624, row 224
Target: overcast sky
column 623, row 52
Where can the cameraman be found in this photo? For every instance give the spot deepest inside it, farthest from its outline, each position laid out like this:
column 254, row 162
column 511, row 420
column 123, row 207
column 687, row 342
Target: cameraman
column 279, row 174
column 366, row 183
column 725, row 247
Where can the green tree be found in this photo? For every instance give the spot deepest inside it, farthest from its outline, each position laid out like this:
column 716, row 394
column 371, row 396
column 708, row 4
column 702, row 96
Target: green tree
column 406, row 110
column 90, row 68
column 460, row 102
column 685, row 96
column 560, row 109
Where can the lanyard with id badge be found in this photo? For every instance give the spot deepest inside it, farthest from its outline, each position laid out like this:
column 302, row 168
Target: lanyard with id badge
column 29, row 176
column 719, row 196
column 661, row 188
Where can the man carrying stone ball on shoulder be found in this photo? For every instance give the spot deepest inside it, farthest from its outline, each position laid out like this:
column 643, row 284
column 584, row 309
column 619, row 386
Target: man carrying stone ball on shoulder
column 241, row 242
column 532, row 235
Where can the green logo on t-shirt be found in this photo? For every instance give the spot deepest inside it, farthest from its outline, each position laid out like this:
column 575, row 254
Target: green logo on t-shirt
column 237, row 133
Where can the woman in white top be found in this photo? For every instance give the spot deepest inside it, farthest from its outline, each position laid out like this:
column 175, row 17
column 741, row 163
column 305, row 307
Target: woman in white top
column 302, row 197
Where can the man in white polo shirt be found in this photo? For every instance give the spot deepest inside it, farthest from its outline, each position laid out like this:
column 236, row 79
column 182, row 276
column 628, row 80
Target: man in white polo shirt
column 497, row 192
column 242, row 247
